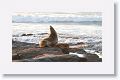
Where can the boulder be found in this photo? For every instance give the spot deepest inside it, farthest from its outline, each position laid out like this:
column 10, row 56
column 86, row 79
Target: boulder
column 99, row 60
column 32, row 52
column 27, row 34
column 56, row 58
column 81, row 51
column 73, row 50
column 16, row 57
column 93, row 58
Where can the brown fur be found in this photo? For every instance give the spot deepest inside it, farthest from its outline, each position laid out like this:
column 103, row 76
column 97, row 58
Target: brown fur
column 62, row 45
column 50, row 41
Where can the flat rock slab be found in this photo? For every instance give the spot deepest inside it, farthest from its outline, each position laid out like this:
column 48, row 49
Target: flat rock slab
column 56, row 58
column 93, row 58
column 32, row 52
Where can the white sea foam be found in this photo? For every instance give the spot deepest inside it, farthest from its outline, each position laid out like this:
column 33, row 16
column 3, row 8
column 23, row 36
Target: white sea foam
column 80, row 55
column 66, row 33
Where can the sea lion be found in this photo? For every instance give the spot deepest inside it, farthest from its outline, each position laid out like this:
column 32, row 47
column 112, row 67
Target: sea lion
column 50, row 41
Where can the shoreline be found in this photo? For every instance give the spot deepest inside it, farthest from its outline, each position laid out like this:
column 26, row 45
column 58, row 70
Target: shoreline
column 30, row 50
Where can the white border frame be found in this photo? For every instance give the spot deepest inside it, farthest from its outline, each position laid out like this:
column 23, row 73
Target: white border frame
column 7, row 7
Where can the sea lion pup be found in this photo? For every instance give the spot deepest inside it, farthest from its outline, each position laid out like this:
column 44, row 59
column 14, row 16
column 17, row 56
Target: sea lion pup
column 50, row 41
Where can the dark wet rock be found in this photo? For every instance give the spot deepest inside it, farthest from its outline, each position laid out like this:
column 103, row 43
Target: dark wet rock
column 32, row 52
column 100, row 60
column 17, row 49
column 81, row 51
column 66, row 37
column 82, row 44
column 15, row 35
column 16, row 57
column 97, row 46
column 42, row 33
column 23, row 35
column 27, row 34
column 93, row 57
column 75, row 37
column 97, row 51
column 73, row 50
column 57, row 58
column 65, row 51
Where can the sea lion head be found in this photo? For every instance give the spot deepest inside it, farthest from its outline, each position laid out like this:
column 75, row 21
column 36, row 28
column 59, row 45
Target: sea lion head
column 51, row 28
column 52, row 31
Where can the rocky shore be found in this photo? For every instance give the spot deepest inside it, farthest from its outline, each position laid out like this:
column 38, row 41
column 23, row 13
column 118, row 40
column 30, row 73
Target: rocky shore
column 30, row 52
